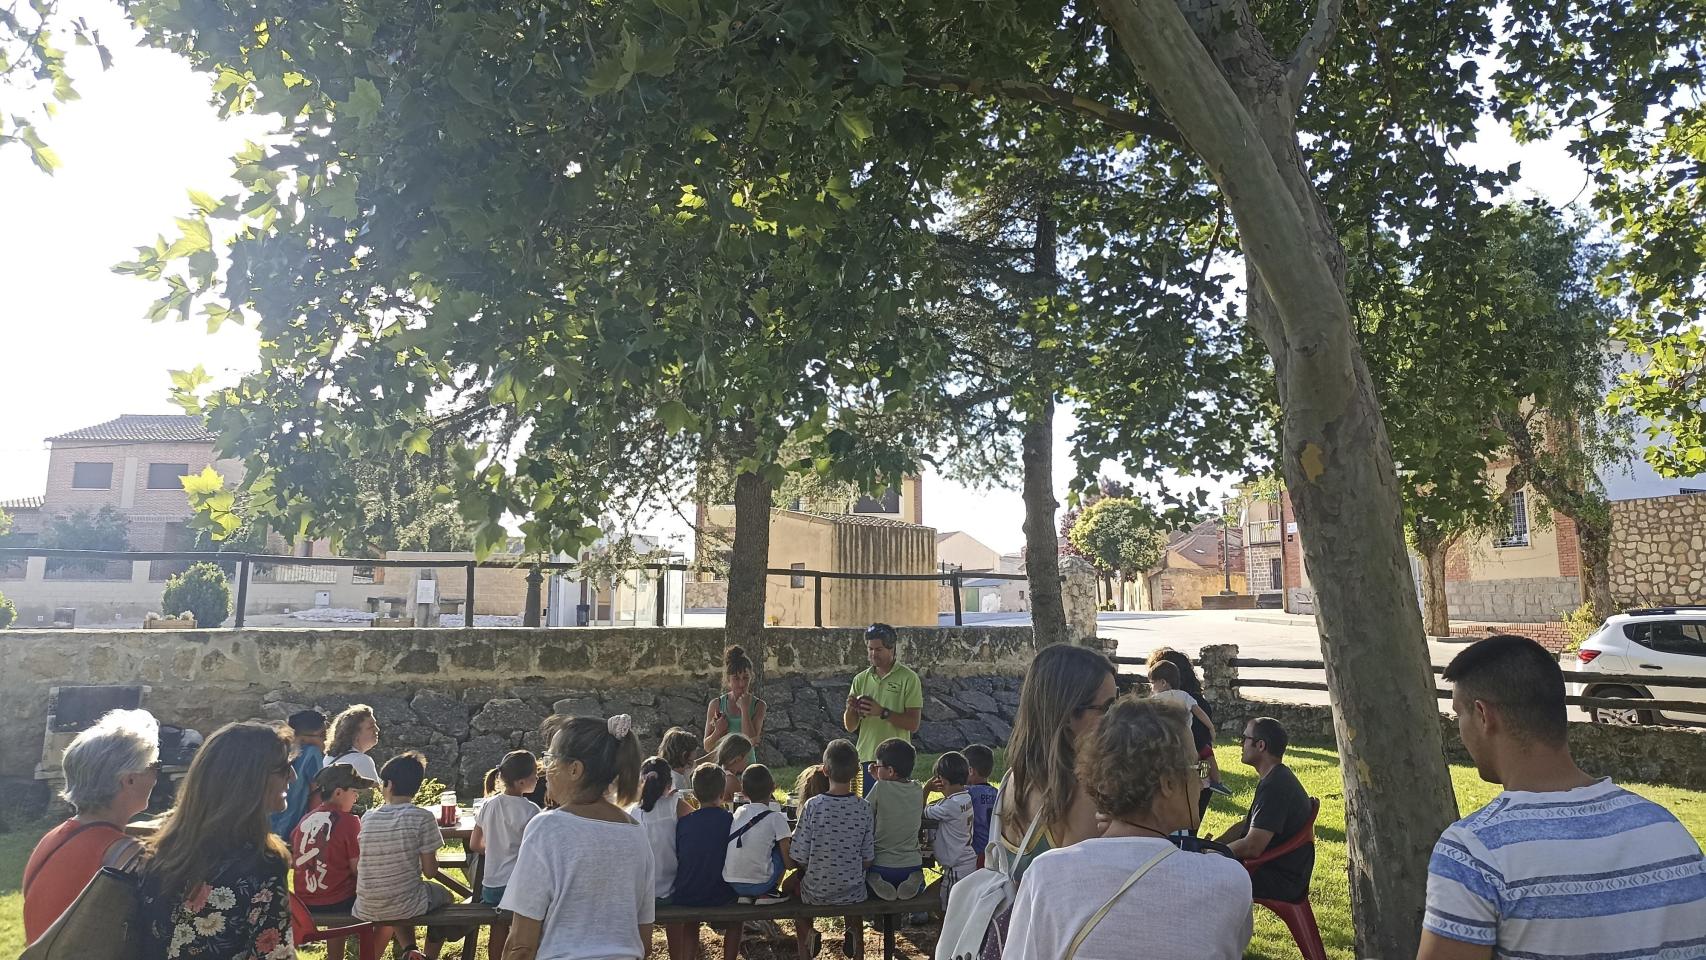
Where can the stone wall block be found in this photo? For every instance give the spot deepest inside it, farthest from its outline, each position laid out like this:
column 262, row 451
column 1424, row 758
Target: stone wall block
column 479, row 755
column 579, row 705
column 443, row 713
column 506, row 715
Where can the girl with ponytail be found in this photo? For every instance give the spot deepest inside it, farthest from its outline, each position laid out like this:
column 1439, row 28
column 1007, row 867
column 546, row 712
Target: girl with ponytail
column 659, row 809
column 498, row 828
column 584, row 880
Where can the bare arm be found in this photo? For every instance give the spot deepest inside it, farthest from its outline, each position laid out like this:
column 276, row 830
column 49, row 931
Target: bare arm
column 908, row 719
column 716, row 726
column 1436, row 947
column 1234, row 832
column 431, row 870
column 1197, row 711
column 477, row 842
column 1252, row 843
column 755, row 721
column 851, row 717
column 526, row 932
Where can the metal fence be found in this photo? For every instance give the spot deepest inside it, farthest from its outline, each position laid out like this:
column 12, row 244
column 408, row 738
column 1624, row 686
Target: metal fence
column 1589, row 703
column 264, row 568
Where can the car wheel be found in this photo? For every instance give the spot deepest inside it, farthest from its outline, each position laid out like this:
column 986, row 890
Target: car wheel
column 1620, row 716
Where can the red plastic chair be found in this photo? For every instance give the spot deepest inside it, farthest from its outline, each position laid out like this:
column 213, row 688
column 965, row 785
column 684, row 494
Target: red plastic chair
column 304, row 930
column 1299, row 917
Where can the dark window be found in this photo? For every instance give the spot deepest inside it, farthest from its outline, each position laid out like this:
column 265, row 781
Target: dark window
column 1686, row 637
column 889, row 503
column 1516, row 526
column 797, row 581
column 1276, row 575
column 165, row 476
column 91, row 476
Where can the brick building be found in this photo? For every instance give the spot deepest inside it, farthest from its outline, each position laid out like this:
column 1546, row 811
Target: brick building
column 133, row 463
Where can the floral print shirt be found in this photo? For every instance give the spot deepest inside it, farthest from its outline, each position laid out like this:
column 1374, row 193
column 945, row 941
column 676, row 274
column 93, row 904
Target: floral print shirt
column 242, row 912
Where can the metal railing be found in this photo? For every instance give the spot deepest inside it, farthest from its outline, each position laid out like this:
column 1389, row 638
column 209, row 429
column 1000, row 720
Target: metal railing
column 1606, row 703
column 1263, row 531
column 264, row 568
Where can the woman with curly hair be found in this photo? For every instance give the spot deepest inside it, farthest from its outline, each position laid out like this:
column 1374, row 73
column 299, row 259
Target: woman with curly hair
column 1099, row 899
column 737, row 711
column 214, row 883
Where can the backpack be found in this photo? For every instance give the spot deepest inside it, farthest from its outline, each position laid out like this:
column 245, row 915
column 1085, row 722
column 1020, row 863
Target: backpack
column 976, row 899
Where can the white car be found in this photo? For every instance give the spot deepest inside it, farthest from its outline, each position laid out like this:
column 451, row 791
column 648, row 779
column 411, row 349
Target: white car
column 1657, row 643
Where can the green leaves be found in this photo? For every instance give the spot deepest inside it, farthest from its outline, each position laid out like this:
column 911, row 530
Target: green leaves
column 854, row 123
column 364, row 102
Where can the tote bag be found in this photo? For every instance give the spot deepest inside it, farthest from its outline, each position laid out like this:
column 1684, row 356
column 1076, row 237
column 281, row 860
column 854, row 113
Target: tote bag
column 101, row 924
column 975, row 900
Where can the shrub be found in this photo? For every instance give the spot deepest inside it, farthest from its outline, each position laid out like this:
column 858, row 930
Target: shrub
column 203, row 591
column 1579, row 624
column 8, row 612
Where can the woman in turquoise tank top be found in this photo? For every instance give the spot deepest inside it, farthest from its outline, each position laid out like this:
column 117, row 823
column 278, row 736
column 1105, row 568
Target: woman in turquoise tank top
column 736, row 711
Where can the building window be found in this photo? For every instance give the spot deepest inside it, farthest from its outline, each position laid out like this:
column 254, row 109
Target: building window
column 91, row 476
column 1276, row 574
column 167, row 476
column 888, row 503
column 797, row 580
column 1516, row 525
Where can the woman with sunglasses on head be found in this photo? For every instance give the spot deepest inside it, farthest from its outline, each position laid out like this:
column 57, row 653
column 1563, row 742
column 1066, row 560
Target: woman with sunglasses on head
column 582, row 887
column 1097, row 900
column 213, row 885
column 1066, row 691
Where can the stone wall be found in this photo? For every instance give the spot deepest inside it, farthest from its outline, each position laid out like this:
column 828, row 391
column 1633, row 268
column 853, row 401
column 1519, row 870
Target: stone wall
column 464, row 697
column 1667, row 755
column 1658, row 550
column 1518, row 600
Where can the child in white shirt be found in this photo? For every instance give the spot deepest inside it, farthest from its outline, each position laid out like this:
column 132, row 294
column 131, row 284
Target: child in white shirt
column 1164, row 684
column 498, row 825
column 758, row 840
column 953, row 818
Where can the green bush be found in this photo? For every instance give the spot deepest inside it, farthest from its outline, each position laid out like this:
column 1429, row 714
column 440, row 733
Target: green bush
column 8, row 612
column 203, row 591
column 1580, row 624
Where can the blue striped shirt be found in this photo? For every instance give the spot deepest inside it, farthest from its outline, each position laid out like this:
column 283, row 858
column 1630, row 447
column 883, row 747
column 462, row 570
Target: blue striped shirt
column 1594, row 873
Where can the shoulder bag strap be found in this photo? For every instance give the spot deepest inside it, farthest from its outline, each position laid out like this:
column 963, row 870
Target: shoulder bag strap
column 1096, row 917
column 1030, row 831
column 734, row 838
column 58, row 847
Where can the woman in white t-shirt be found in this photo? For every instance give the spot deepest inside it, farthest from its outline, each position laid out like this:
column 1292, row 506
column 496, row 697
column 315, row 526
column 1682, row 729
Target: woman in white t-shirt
column 1139, row 766
column 498, row 825
column 583, row 885
column 354, row 733
column 659, row 808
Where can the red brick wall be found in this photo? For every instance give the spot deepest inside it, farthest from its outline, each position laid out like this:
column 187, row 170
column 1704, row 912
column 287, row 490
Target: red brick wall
column 1292, row 542
column 1569, row 551
column 165, row 504
column 1457, row 563
column 1552, row 635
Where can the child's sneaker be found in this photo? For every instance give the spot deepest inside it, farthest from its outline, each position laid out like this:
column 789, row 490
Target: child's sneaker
column 1220, row 788
column 770, row 898
column 911, row 887
column 882, row 888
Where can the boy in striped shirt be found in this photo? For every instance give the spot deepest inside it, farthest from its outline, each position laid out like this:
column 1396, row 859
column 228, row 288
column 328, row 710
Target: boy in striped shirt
column 1559, row 865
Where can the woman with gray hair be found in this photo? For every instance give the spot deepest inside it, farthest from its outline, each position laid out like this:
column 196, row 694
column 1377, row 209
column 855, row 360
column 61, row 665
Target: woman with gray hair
column 110, row 769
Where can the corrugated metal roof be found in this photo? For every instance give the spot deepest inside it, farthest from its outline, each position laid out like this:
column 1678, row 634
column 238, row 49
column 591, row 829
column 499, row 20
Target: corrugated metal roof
column 23, row 503
column 143, row 428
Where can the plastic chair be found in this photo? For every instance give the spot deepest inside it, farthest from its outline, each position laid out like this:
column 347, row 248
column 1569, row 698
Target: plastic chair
column 1299, row 916
column 303, row 930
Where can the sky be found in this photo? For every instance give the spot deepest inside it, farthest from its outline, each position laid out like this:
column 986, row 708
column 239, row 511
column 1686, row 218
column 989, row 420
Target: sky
column 77, row 349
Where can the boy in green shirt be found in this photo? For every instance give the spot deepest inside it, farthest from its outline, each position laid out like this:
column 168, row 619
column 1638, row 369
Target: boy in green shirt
column 897, row 806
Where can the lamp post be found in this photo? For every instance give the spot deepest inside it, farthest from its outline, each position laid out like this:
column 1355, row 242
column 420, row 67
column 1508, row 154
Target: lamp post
column 1225, row 560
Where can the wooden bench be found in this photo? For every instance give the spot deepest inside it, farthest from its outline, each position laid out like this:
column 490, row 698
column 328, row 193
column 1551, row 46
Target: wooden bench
column 478, row 915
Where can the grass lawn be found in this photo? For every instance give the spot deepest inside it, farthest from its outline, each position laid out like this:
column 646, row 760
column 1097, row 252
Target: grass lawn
column 1316, row 766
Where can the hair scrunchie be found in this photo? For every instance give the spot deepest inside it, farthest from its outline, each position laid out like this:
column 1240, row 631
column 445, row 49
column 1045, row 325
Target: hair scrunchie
column 620, row 725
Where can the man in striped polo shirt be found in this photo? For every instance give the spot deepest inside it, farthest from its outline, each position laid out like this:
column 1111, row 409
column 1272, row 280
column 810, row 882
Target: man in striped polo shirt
column 1558, row 865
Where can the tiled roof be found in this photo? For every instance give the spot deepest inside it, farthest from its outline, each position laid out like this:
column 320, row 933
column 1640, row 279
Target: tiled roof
column 866, row 520
column 22, row 503
column 143, row 428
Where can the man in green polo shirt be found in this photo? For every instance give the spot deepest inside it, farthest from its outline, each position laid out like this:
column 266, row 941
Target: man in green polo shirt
column 886, row 700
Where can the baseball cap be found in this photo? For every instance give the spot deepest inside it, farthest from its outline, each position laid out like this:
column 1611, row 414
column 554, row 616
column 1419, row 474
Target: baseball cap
column 341, row 776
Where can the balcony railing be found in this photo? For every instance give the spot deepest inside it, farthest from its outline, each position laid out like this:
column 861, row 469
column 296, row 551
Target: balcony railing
column 1262, row 531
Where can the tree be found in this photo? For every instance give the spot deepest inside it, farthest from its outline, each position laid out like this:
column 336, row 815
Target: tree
column 1625, row 80
column 33, row 76
column 103, row 529
column 1119, row 535
column 469, row 223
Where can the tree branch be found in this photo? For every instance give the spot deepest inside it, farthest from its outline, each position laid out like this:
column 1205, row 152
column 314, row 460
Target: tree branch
column 1312, row 47
column 1116, row 117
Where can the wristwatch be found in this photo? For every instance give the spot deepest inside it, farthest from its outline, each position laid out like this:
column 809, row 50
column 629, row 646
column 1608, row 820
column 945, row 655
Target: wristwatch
column 885, row 713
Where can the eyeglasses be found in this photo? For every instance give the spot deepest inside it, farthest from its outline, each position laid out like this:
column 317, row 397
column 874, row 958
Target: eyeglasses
column 1101, row 708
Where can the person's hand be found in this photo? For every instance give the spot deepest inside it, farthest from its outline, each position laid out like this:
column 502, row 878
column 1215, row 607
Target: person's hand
column 868, row 707
column 935, row 785
column 741, row 707
column 720, row 727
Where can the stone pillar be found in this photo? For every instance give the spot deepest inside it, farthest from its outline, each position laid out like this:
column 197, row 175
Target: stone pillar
column 1078, row 595
column 1220, row 678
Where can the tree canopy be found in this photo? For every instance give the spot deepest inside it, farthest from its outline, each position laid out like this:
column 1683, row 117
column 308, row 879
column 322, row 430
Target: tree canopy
column 1118, row 534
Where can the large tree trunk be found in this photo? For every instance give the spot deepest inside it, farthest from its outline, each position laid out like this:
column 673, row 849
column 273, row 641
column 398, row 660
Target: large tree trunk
column 749, row 557
column 1594, row 540
column 1436, row 609
column 1336, row 459
column 1042, row 546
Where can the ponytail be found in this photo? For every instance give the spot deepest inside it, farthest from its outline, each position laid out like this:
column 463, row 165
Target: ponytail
column 517, row 765
column 656, row 779
column 491, row 781
column 608, row 749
